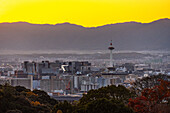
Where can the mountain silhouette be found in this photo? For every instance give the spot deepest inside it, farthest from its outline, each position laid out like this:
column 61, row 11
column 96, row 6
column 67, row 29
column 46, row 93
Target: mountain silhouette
column 66, row 36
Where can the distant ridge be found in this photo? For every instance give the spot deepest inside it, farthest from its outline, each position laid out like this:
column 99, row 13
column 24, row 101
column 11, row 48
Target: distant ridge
column 66, row 36
column 83, row 26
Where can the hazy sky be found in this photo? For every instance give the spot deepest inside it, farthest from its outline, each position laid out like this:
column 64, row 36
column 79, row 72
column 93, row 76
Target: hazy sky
column 88, row 13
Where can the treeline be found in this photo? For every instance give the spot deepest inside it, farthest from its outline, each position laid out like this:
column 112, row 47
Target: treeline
column 148, row 95
column 21, row 100
column 109, row 99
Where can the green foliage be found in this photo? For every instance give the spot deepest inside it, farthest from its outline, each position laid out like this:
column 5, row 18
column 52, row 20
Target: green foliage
column 65, row 107
column 106, row 106
column 16, row 100
column 44, row 98
column 110, row 99
column 21, row 88
column 8, row 91
column 119, row 93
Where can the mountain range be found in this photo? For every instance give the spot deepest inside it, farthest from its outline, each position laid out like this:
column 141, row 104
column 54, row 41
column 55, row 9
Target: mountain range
column 66, row 36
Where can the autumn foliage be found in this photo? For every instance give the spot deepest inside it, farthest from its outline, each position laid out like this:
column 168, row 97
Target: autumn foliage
column 36, row 103
column 152, row 100
column 30, row 93
column 59, row 111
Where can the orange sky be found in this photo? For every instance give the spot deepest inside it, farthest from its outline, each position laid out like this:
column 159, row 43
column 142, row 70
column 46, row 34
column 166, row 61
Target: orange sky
column 88, row 13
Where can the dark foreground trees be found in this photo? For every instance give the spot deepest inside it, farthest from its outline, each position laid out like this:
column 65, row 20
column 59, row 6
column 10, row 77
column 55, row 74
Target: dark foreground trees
column 148, row 82
column 21, row 100
column 110, row 99
column 152, row 97
column 144, row 97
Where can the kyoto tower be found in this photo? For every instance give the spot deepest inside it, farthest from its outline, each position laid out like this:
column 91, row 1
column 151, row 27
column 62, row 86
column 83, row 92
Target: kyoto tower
column 111, row 57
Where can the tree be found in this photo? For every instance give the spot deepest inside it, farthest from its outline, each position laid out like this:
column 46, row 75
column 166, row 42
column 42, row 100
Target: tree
column 14, row 111
column 59, row 111
column 110, row 99
column 147, row 82
column 19, row 98
column 65, row 107
column 152, row 99
column 43, row 98
column 106, row 106
column 36, row 103
column 119, row 93
column 21, row 88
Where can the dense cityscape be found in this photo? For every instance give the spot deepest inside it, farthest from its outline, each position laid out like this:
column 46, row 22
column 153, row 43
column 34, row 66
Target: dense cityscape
column 84, row 56
column 65, row 78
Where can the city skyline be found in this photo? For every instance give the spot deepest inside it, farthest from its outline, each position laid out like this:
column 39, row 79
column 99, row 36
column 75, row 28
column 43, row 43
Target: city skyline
column 84, row 56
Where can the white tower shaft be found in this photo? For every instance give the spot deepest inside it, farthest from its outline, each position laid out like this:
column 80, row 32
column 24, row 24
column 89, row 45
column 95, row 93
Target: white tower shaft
column 111, row 59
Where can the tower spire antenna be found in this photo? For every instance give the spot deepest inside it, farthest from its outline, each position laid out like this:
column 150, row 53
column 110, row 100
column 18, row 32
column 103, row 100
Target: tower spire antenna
column 110, row 42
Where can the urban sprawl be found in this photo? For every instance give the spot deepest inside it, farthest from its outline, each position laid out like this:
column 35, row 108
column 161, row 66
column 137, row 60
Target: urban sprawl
column 69, row 79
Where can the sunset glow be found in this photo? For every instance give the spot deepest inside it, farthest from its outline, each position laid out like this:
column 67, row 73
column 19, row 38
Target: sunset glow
column 88, row 13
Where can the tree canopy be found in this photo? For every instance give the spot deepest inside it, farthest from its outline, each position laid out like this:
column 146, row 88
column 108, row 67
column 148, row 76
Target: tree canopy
column 19, row 99
column 154, row 98
column 150, row 94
